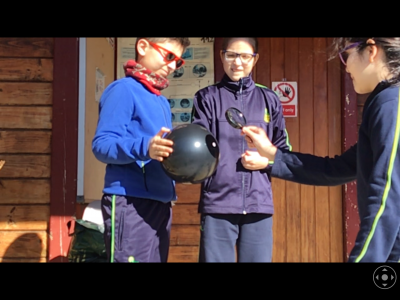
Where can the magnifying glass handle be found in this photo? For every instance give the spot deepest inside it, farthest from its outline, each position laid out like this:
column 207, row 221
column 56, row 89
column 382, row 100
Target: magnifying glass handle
column 248, row 139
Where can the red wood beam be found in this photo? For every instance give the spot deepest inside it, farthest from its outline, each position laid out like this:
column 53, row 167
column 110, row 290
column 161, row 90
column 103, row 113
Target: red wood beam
column 350, row 137
column 64, row 145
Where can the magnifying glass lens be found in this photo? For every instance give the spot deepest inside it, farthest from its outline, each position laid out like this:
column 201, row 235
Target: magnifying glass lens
column 235, row 118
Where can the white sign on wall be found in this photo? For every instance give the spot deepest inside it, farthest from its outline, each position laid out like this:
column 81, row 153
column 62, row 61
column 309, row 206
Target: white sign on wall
column 287, row 92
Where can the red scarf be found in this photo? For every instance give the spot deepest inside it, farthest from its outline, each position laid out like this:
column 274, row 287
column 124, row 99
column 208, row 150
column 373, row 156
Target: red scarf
column 155, row 83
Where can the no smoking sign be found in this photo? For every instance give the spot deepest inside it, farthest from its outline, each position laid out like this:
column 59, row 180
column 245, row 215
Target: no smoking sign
column 287, row 93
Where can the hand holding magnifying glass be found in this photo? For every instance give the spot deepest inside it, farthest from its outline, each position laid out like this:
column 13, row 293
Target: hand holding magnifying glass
column 236, row 118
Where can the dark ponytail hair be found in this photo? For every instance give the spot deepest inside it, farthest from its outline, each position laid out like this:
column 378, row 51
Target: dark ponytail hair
column 390, row 46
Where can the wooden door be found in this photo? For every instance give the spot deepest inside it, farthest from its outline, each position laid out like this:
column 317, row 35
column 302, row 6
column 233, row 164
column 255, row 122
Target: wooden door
column 308, row 220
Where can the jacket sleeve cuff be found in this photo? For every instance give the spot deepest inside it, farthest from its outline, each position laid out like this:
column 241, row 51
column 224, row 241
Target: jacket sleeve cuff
column 142, row 152
column 275, row 164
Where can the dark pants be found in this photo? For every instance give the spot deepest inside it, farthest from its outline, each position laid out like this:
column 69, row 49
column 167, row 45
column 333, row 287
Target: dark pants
column 136, row 230
column 251, row 233
column 394, row 256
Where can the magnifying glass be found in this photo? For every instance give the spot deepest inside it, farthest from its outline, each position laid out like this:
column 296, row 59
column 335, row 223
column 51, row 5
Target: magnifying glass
column 235, row 118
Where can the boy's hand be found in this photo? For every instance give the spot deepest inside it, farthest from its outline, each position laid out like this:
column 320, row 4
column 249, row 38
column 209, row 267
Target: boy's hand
column 252, row 160
column 159, row 147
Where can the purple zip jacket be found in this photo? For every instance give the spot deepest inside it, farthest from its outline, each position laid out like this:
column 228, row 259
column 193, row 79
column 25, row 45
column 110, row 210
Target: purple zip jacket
column 232, row 189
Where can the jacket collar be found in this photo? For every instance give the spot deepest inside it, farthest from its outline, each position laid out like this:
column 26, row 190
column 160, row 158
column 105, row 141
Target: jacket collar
column 379, row 88
column 245, row 84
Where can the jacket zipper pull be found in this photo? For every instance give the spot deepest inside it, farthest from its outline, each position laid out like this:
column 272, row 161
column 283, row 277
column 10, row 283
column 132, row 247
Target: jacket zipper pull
column 144, row 176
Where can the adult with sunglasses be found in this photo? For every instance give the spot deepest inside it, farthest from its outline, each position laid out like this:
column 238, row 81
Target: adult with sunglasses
column 374, row 161
column 236, row 201
column 133, row 117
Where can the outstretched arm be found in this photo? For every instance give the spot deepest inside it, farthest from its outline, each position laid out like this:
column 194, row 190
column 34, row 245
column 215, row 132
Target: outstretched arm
column 303, row 168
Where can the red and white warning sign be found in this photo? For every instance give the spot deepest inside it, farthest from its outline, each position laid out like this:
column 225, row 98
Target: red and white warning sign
column 287, row 92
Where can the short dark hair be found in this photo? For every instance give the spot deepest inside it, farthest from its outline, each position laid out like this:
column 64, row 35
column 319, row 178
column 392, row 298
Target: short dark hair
column 183, row 41
column 390, row 46
column 253, row 41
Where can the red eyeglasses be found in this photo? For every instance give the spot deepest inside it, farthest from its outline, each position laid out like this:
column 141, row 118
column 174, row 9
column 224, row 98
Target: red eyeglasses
column 169, row 57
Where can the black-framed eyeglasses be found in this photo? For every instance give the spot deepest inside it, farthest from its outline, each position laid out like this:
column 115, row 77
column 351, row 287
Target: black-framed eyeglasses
column 244, row 57
column 344, row 55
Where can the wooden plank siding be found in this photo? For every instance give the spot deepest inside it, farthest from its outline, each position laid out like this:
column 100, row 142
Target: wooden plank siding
column 308, row 220
column 306, row 145
column 335, row 208
column 26, row 75
column 277, row 73
column 185, row 231
column 321, row 148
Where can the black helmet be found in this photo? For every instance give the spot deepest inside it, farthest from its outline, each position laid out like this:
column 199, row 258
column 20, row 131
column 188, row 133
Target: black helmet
column 196, row 154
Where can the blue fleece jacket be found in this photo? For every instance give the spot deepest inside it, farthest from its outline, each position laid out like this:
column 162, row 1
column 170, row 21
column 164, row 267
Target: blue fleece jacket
column 375, row 163
column 129, row 117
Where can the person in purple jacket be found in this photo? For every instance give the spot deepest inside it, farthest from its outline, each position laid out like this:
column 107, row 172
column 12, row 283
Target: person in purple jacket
column 236, row 204
column 374, row 161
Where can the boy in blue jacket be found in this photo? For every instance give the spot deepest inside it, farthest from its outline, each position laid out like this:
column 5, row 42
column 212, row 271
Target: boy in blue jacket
column 133, row 117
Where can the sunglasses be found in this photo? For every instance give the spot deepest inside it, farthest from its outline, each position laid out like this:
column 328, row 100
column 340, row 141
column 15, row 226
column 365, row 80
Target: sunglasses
column 169, row 56
column 344, row 55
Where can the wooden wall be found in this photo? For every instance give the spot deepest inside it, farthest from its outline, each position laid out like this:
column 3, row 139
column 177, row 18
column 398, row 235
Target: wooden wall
column 185, row 232
column 308, row 221
column 26, row 75
column 308, row 225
